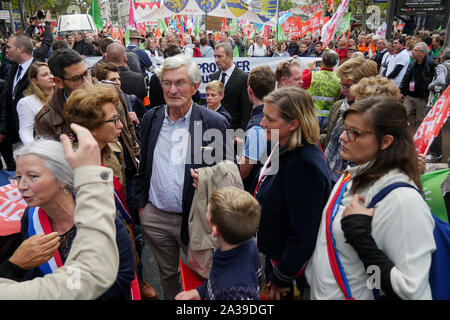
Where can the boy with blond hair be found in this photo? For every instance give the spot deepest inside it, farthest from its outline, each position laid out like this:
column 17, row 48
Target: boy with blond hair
column 233, row 216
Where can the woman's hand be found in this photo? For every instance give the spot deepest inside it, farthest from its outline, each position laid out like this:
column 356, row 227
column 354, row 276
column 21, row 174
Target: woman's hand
column 194, row 174
column 133, row 117
column 35, row 250
column 276, row 293
column 357, row 207
column 88, row 152
column 422, row 162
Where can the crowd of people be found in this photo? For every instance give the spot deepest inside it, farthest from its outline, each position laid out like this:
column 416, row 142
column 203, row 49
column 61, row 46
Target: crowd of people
column 277, row 203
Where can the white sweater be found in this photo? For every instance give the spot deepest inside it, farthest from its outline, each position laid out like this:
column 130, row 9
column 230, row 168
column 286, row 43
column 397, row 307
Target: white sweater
column 402, row 227
column 27, row 108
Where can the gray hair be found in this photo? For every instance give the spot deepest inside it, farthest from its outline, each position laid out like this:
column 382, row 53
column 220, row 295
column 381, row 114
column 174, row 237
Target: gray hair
column 178, row 61
column 226, row 46
column 423, row 46
column 52, row 154
column 383, row 40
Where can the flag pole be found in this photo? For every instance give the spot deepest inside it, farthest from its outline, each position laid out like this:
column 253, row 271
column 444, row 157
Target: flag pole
column 278, row 18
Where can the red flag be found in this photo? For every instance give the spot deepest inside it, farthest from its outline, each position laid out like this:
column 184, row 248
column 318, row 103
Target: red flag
column 217, row 37
column 433, row 122
column 331, row 5
column 314, row 22
column 224, row 24
column 13, row 207
column 189, row 279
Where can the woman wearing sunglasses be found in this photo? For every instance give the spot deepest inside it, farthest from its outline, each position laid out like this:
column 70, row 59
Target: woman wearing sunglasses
column 388, row 247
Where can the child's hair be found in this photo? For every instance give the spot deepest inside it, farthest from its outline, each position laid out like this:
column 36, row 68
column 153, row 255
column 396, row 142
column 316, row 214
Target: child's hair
column 235, row 213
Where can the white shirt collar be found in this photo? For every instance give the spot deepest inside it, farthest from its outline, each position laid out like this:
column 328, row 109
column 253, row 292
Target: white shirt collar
column 230, row 70
column 26, row 65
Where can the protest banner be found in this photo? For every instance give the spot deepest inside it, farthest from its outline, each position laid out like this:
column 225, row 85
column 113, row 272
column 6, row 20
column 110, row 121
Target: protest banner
column 207, row 66
column 12, row 207
column 433, row 122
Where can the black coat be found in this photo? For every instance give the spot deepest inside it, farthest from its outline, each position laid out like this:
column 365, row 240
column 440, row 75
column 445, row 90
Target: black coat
column 9, row 119
column 84, row 48
column 236, row 100
column 132, row 82
column 422, row 77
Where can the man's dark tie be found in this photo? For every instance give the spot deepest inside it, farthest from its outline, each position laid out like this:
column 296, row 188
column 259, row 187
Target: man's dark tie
column 223, row 77
column 19, row 72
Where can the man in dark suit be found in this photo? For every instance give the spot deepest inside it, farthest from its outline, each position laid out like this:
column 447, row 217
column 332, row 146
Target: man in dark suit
column 19, row 50
column 236, row 100
column 131, row 82
column 172, row 147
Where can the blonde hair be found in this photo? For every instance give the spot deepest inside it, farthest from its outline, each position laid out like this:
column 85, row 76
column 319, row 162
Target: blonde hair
column 296, row 104
column 216, row 85
column 357, row 68
column 32, row 87
column 235, row 213
column 375, row 86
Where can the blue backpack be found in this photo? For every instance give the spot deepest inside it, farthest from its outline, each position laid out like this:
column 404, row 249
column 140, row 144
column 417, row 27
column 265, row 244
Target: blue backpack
column 439, row 277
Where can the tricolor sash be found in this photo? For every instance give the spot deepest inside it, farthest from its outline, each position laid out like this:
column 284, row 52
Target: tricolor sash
column 335, row 263
column 121, row 206
column 38, row 223
column 119, row 198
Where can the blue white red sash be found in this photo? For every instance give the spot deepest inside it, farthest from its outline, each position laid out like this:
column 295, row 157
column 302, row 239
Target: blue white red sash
column 121, row 206
column 335, row 263
column 119, row 198
column 38, row 223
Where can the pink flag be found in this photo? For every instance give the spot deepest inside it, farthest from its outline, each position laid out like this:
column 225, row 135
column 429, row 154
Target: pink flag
column 131, row 21
column 330, row 27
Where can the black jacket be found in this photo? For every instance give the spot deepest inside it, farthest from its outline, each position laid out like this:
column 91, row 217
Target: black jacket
column 132, row 82
column 292, row 201
column 41, row 53
column 9, row 119
column 422, row 77
column 236, row 100
column 84, row 48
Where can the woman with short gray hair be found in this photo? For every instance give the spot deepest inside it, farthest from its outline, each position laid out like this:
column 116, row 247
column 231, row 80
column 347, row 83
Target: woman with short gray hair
column 46, row 182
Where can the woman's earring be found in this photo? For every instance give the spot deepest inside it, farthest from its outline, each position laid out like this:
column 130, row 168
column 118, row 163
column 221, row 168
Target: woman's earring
column 66, row 191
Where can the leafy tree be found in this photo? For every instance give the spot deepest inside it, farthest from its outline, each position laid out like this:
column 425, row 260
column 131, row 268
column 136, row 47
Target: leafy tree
column 284, row 5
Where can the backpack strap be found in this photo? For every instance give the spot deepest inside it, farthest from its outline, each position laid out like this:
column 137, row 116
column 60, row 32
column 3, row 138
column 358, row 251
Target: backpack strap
column 385, row 191
column 377, row 198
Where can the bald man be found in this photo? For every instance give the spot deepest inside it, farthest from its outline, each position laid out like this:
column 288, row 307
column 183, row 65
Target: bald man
column 131, row 82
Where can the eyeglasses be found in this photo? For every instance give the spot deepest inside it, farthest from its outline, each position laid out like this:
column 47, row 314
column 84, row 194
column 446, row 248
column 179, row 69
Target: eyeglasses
column 116, row 120
column 181, row 84
column 79, row 78
column 15, row 180
column 353, row 134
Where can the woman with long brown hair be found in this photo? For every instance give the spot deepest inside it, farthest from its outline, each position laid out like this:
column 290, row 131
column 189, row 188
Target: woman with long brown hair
column 36, row 96
column 394, row 240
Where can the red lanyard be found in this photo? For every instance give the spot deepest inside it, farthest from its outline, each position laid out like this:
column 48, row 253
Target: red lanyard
column 264, row 169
